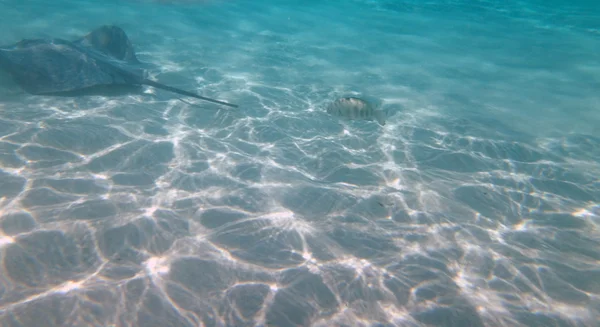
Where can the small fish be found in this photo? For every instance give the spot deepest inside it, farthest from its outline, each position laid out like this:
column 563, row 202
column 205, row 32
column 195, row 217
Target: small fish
column 356, row 109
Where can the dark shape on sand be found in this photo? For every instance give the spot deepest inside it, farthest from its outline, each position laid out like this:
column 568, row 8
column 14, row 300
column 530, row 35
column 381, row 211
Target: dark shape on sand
column 100, row 60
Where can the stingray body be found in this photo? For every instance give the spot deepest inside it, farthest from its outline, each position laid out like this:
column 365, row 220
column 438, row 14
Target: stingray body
column 103, row 58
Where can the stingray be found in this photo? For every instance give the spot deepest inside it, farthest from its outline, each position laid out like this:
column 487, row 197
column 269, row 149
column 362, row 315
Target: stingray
column 101, row 60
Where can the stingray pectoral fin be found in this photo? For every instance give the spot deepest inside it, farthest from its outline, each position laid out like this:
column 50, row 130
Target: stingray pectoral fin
column 380, row 116
column 186, row 93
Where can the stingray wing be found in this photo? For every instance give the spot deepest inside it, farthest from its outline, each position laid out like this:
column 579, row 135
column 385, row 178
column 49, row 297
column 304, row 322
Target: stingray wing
column 54, row 66
column 111, row 41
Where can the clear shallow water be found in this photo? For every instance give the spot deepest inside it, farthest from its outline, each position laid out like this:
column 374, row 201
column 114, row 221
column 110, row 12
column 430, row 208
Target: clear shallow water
column 476, row 205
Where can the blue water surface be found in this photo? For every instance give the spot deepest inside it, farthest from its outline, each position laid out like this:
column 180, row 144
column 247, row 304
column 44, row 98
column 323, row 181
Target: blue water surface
column 477, row 204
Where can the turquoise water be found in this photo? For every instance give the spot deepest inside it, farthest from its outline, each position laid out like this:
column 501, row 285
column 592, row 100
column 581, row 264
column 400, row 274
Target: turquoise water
column 477, row 204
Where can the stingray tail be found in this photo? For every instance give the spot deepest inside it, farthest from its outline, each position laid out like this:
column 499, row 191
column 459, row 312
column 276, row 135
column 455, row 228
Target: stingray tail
column 186, row 93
